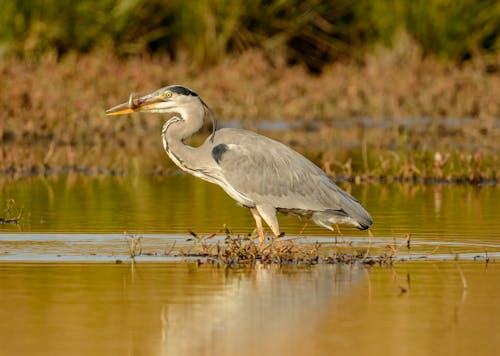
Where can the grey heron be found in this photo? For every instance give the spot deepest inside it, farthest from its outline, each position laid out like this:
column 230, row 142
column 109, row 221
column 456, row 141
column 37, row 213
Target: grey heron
column 261, row 174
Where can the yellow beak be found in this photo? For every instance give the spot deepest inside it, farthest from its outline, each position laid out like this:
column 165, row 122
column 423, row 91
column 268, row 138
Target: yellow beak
column 120, row 109
column 143, row 103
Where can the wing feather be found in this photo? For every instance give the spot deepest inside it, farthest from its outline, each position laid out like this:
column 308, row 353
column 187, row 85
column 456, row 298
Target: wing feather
column 271, row 173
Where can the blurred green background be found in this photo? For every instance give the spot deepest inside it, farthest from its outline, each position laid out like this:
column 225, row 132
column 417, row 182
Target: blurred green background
column 313, row 32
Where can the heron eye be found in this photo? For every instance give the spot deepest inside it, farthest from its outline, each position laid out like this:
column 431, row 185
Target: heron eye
column 168, row 94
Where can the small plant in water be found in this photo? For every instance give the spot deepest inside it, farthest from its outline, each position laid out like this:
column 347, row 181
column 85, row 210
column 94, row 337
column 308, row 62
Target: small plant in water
column 134, row 246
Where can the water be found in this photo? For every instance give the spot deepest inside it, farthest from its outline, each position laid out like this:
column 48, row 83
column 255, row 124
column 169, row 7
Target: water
column 418, row 308
column 179, row 203
column 64, row 292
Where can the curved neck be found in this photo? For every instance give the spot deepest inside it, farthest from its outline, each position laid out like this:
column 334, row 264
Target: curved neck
column 179, row 128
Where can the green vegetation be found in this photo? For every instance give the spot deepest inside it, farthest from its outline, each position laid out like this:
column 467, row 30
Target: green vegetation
column 313, row 32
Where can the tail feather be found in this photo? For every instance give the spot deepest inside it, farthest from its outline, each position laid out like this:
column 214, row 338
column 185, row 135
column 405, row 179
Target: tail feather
column 351, row 212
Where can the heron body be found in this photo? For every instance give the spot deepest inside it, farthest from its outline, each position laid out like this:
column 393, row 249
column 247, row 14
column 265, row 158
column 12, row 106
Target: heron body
column 261, row 174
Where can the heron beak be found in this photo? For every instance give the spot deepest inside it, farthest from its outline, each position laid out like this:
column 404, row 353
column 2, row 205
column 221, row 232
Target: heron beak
column 134, row 104
column 119, row 110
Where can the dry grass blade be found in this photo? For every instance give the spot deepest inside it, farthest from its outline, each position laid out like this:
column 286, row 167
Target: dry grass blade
column 237, row 251
column 134, row 246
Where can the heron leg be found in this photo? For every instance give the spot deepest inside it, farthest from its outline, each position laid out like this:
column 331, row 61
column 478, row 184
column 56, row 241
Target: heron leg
column 268, row 213
column 258, row 222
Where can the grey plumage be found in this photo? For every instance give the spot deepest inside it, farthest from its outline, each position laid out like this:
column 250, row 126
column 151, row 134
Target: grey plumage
column 259, row 173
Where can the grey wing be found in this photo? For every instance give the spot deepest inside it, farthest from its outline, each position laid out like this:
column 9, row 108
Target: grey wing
column 272, row 174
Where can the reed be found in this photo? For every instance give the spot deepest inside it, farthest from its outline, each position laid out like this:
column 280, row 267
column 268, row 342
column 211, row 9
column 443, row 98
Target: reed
column 313, row 32
column 52, row 116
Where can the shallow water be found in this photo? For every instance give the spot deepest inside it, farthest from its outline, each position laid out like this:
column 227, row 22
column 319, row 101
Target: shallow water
column 451, row 218
column 63, row 292
column 418, row 308
column 179, row 203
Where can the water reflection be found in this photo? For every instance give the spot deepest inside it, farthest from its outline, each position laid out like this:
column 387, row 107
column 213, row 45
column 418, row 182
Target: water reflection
column 259, row 310
column 177, row 309
column 179, row 203
column 185, row 309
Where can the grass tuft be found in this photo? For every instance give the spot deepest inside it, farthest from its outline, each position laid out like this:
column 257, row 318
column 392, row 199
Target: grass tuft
column 239, row 251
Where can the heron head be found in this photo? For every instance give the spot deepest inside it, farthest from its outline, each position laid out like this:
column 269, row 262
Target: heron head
column 174, row 98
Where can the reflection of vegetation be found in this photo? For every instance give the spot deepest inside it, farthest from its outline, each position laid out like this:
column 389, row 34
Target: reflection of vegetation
column 12, row 213
column 310, row 31
column 175, row 204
